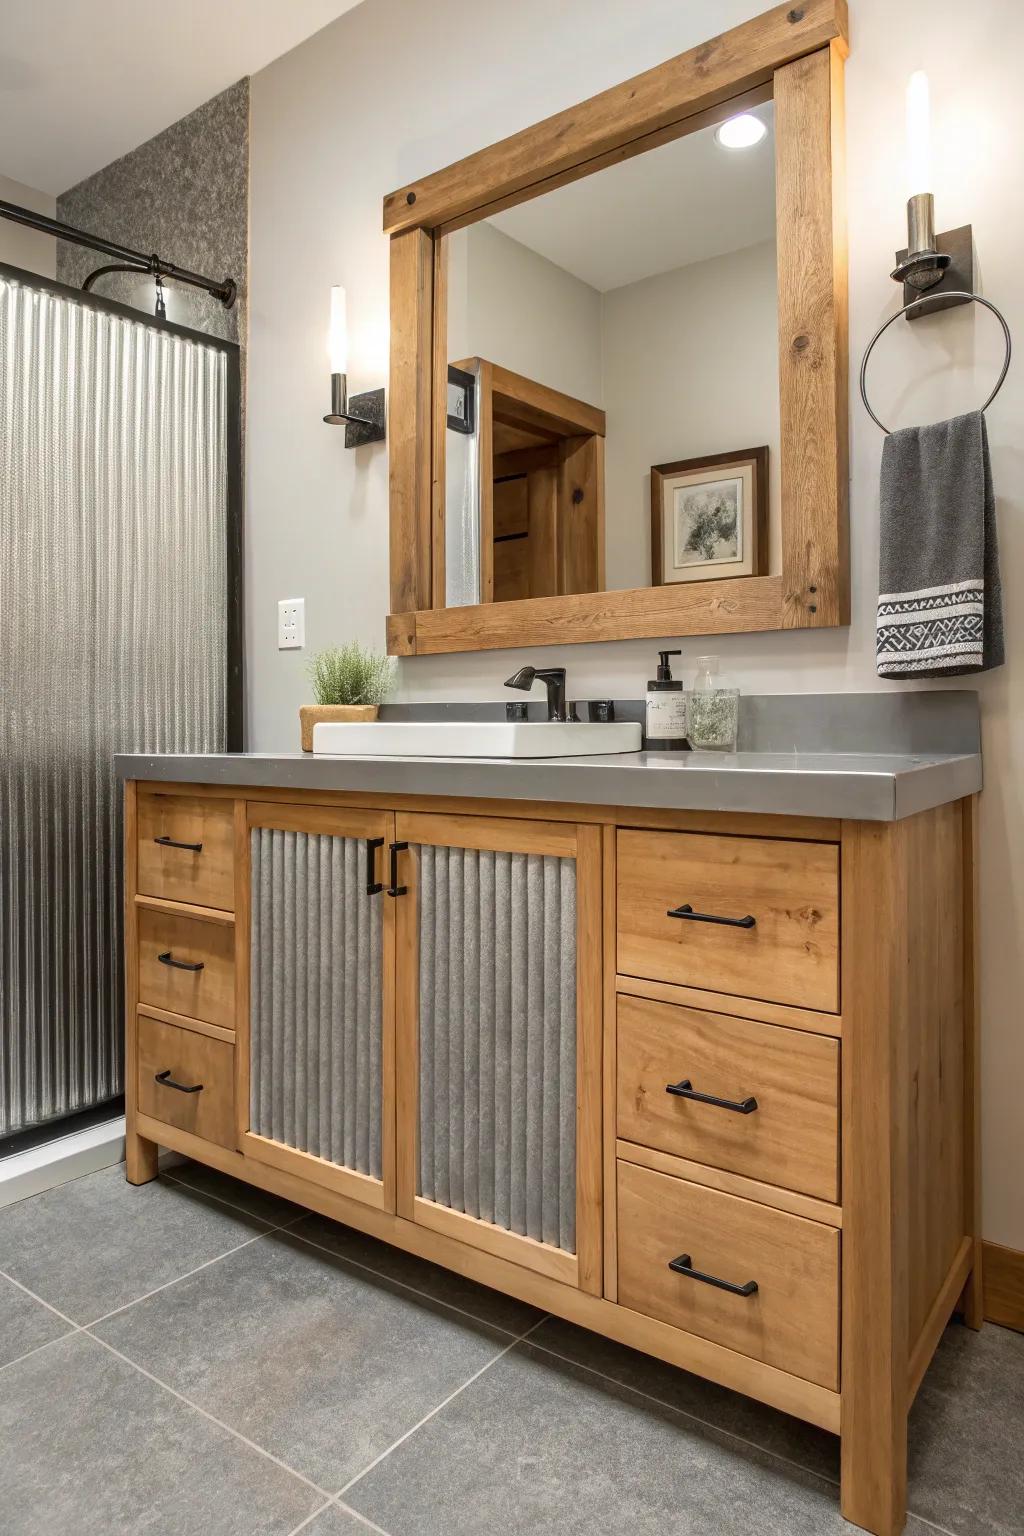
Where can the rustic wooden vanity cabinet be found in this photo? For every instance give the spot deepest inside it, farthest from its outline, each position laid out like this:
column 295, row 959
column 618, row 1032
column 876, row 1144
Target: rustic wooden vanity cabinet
column 701, row 1082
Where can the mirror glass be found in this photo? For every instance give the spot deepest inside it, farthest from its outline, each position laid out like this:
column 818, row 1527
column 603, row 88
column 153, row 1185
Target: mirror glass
column 613, row 410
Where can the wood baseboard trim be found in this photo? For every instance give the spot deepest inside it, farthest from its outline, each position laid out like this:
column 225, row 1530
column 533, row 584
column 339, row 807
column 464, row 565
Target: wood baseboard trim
column 1002, row 1279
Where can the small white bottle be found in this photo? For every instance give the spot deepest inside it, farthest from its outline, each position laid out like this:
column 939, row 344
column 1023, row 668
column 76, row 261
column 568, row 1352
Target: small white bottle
column 666, row 709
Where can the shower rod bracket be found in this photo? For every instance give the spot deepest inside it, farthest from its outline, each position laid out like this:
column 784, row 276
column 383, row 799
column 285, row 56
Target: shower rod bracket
column 125, row 259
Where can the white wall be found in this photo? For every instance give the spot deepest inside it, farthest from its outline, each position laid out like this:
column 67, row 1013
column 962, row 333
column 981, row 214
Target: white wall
column 527, row 314
column 396, row 89
column 691, row 366
column 19, row 245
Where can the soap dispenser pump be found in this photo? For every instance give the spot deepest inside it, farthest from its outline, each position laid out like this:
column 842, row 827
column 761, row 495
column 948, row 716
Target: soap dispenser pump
column 666, row 709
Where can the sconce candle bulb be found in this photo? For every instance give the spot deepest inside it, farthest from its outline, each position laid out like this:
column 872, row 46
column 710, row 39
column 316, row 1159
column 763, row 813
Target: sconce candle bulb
column 337, row 335
column 364, row 422
column 923, row 264
column 919, row 164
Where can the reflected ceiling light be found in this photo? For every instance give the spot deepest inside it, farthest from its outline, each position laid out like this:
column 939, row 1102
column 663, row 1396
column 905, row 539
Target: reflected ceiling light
column 741, row 132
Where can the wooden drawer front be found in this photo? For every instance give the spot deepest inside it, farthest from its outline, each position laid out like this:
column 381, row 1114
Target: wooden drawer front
column 789, row 1139
column 208, row 993
column 790, row 954
column 792, row 1319
column 205, row 877
column 194, row 1062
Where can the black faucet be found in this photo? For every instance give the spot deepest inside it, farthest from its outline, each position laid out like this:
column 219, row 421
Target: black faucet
column 553, row 679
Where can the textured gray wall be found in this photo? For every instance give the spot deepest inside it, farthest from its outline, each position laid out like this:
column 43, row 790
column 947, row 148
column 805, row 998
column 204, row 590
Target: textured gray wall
column 185, row 195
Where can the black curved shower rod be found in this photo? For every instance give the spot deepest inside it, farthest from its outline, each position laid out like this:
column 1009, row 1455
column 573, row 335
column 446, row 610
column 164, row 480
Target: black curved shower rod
column 225, row 290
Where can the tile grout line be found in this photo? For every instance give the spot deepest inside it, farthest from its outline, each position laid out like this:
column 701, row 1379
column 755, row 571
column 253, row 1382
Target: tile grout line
column 49, row 1307
column 566, row 1359
column 230, row 1204
column 435, row 1411
column 362, row 1519
column 693, row 1418
column 403, row 1285
column 313, row 1515
column 797, row 1466
column 234, row 1433
column 913, row 1515
column 40, row 1347
column 74, row 1327
column 116, row 1311
column 336, row 1499
column 413, row 1290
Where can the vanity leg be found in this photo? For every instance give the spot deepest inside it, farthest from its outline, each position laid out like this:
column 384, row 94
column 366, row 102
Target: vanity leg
column 874, row 1381
column 971, row 1303
column 140, row 1158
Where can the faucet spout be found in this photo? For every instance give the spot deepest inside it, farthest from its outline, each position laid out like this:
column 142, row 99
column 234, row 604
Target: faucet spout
column 553, row 679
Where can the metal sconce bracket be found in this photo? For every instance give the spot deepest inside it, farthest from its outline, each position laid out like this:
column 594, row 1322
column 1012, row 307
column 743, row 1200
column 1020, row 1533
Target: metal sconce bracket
column 956, row 276
column 369, row 425
column 362, row 416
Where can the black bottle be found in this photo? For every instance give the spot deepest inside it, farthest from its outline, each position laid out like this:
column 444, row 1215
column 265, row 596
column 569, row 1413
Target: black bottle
column 666, row 710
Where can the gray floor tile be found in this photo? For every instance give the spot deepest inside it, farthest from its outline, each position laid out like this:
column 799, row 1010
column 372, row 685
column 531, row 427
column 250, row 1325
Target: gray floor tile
column 221, row 1186
column 321, row 1364
column 443, row 1284
column 784, row 1436
column 967, row 1432
column 537, row 1447
column 335, row 1522
column 92, row 1448
column 99, row 1242
column 24, row 1323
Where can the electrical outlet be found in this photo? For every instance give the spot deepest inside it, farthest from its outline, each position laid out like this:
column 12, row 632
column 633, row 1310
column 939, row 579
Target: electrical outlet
column 291, row 624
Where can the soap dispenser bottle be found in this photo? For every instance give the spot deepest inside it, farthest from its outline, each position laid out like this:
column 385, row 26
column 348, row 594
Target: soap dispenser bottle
column 666, row 710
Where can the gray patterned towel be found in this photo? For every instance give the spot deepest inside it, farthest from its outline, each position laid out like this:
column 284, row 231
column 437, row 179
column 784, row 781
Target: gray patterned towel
column 939, row 603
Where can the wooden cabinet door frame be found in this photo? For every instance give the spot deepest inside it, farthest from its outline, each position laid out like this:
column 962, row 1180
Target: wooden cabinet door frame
column 583, row 1269
column 342, row 822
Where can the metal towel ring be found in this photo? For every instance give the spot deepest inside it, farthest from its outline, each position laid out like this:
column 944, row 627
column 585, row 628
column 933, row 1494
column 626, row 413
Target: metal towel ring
column 917, row 304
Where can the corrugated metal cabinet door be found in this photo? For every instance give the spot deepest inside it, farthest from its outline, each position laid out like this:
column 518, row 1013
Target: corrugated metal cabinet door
column 498, row 1025
column 320, row 1100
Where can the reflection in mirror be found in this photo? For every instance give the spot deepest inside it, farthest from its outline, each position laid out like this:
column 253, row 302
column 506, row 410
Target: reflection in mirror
column 613, row 411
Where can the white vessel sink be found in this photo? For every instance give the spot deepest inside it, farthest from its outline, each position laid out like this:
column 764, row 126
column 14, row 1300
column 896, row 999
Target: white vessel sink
column 475, row 738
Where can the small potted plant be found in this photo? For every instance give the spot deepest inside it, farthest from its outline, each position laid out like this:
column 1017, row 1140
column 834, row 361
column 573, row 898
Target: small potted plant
column 349, row 683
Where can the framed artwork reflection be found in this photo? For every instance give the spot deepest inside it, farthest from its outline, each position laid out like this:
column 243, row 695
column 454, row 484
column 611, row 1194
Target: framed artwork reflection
column 709, row 517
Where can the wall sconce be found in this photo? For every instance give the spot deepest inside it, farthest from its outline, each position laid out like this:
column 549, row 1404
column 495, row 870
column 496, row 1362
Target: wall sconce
column 929, row 261
column 363, row 415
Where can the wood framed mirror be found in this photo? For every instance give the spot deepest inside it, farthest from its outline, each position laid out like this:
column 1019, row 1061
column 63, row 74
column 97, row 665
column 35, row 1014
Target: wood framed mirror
column 713, row 310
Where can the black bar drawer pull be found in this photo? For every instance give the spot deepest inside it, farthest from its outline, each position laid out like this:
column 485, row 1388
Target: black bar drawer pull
column 684, row 1266
column 167, row 1081
column 168, row 842
column 709, row 917
column 180, row 965
column 394, row 889
column 373, row 886
column 686, row 1090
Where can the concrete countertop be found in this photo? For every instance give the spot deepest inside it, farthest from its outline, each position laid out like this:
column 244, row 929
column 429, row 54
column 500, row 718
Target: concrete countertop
column 868, row 786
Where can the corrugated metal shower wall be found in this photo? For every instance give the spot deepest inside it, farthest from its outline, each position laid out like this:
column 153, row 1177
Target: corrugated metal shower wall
column 113, row 637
